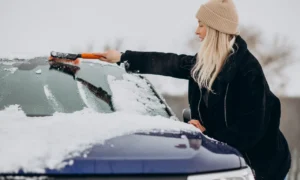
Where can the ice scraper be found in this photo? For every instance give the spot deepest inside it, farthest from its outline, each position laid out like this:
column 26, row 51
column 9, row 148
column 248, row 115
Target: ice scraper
column 71, row 58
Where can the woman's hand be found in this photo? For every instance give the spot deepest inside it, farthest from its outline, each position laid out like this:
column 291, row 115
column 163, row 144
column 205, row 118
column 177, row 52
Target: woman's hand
column 197, row 124
column 111, row 56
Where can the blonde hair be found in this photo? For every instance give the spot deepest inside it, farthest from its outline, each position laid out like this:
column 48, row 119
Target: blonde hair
column 212, row 56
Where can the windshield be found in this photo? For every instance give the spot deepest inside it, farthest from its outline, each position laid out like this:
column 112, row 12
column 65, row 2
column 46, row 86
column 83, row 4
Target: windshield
column 41, row 89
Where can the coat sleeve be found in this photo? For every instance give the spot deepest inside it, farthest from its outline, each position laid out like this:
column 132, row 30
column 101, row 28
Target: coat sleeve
column 166, row 64
column 250, row 111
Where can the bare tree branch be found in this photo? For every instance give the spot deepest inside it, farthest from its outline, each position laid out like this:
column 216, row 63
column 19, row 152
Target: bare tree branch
column 117, row 45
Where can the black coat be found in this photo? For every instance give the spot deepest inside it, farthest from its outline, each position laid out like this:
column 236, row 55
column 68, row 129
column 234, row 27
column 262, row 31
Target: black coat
column 242, row 111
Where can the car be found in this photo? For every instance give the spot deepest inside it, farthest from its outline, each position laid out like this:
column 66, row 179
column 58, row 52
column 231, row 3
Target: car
column 50, row 95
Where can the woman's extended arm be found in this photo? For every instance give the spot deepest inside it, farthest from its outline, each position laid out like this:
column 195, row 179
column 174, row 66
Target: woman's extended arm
column 166, row 64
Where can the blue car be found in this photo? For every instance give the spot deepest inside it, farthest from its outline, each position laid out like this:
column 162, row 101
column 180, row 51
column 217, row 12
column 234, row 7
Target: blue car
column 42, row 89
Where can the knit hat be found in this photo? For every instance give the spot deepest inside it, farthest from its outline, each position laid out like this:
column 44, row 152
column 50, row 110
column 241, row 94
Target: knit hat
column 220, row 15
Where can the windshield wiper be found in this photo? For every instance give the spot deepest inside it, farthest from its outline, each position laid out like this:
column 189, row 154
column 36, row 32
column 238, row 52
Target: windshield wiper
column 64, row 68
column 72, row 70
column 39, row 115
column 98, row 92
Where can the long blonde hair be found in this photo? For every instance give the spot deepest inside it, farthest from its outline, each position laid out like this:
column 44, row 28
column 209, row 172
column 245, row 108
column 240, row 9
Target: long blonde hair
column 212, row 56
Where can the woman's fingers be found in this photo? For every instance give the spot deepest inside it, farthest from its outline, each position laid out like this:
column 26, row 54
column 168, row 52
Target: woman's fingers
column 102, row 56
column 103, row 59
column 202, row 128
column 197, row 124
column 111, row 56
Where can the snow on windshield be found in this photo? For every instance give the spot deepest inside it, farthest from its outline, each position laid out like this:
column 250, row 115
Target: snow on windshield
column 11, row 70
column 35, row 143
column 56, row 106
column 133, row 94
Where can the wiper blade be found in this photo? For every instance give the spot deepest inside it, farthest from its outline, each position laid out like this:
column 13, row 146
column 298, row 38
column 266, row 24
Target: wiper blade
column 38, row 115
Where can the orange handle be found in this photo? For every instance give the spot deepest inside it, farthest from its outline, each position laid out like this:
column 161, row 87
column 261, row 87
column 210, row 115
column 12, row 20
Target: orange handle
column 90, row 56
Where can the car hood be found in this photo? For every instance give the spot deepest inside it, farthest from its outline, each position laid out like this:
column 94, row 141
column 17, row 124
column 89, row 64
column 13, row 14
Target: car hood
column 156, row 153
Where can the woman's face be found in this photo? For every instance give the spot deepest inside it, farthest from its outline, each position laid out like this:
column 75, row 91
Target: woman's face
column 201, row 30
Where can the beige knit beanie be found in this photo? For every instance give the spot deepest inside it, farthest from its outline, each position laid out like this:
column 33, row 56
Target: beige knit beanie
column 220, row 15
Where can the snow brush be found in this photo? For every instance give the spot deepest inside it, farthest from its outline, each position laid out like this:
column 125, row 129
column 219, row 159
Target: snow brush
column 71, row 58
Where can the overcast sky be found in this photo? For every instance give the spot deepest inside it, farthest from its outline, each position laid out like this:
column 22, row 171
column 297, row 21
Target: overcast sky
column 35, row 27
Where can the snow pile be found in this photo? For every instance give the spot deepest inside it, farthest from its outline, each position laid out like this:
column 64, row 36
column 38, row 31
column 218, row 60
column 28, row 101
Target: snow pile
column 11, row 70
column 35, row 143
column 102, row 63
column 133, row 94
column 38, row 71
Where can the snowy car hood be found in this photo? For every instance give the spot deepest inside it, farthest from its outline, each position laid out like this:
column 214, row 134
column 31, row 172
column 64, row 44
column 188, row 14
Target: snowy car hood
column 89, row 142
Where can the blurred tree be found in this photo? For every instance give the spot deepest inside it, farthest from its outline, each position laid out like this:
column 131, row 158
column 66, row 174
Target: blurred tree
column 117, row 45
column 90, row 46
column 274, row 55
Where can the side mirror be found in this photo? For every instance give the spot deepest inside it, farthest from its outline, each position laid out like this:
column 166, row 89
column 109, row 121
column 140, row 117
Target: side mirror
column 186, row 113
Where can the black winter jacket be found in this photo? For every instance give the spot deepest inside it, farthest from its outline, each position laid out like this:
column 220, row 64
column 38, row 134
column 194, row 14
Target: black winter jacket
column 242, row 111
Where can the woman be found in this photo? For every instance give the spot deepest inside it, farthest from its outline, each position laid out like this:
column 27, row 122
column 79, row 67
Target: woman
column 229, row 97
